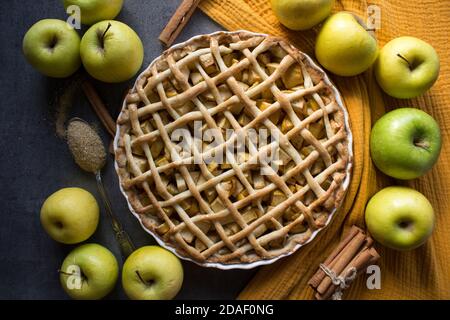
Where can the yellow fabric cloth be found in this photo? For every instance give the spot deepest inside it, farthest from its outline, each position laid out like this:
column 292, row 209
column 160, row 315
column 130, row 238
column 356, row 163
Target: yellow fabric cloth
column 423, row 273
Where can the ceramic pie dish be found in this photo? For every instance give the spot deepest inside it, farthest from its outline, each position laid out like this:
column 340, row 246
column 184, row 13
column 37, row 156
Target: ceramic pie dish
column 233, row 149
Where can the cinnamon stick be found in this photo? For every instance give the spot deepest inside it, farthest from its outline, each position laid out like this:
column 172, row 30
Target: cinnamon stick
column 99, row 107
column 354, row 252
column 318, row 277
column 344, row 258
column 359, row 263
column 179, row 19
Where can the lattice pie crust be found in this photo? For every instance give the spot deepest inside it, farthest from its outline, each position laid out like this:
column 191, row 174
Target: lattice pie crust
column 229, row 212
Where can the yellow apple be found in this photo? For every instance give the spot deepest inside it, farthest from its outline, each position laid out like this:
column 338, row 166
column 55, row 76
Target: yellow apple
column 53, row 48
column 407, row 67
column 89, row 272
column 70, row 215
column 152, row 273
column 344, row 47
column 400, row 218
column 93, row 11
column 111, row 51
column 301, row 14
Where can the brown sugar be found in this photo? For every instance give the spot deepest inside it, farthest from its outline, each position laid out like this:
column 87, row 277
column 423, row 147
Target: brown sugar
column 86, row 146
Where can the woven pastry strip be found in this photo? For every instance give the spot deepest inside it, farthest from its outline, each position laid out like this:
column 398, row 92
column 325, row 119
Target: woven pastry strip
column 192, row 201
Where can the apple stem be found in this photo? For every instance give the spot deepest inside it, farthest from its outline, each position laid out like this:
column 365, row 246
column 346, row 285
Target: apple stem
column 104, row 33
column 65, row 273
column 140, row 277
column 402, row 57
column 422, row 144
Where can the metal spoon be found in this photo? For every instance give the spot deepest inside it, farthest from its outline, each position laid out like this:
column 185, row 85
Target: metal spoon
column 90, row 155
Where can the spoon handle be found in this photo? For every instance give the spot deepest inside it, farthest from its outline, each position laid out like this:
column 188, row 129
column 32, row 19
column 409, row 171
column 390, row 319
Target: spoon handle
column 122, row 237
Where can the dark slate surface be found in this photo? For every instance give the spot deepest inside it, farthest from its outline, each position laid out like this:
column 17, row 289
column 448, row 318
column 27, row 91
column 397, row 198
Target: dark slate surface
column 35, row 162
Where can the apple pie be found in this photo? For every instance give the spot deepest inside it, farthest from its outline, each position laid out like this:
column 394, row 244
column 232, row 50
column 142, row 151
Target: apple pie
column 233, row 148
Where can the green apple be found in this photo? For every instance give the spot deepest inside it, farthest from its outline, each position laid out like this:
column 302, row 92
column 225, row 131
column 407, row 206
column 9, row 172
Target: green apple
column 93, row 11
column 53, row 48
column 405, row 143
column 89, row 272
column 152, row 273
column 70, row 215
column 406, row 67
column 301, row 14
column 400, row 218
column 343, row 45
column 111, row 51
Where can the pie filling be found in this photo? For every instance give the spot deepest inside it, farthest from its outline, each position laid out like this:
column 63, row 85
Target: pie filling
column 233, row 148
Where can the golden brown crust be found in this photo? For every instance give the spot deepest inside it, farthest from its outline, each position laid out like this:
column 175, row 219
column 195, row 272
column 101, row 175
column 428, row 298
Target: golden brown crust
column 242, row 246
